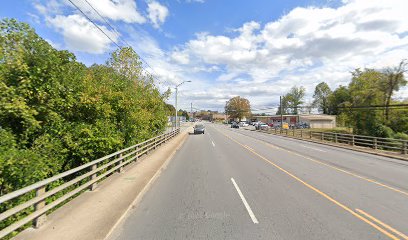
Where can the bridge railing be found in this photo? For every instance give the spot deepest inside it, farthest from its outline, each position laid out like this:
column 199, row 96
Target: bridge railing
column 54, row 191
column 376, row 143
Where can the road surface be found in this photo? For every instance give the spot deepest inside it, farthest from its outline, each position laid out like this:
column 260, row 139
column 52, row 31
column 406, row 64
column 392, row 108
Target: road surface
column 237, row 184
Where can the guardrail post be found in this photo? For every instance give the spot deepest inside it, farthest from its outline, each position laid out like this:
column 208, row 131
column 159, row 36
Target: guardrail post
column 335, row 138
column 286, row 132
column 311, row 134
column 275, row 130
column 375, row 143
column 352, row 140
column 93, row 176
column 39, row 221
column 301, row 133
column 119, row 163
column 137, row 153
column 322, row 136
column 293, row 132
column 404, row 147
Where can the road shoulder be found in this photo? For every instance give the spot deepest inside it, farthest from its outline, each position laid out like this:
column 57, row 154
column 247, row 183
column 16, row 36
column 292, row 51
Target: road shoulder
column 93, row 215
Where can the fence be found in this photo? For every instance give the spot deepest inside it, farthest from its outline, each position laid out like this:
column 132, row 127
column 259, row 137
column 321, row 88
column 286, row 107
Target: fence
column 377, row 143
column 80, row 179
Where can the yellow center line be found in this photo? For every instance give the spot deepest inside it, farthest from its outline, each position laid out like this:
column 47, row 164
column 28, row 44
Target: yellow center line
column 334, row 167
column 317, row 190
column 382, row 224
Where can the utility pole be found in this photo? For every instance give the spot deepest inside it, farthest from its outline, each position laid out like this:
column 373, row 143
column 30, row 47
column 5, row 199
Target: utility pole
column 175, row 122
column 281, row 111
column 191, row 111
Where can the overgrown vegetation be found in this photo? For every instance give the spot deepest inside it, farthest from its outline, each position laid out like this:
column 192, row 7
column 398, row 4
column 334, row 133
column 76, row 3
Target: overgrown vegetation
column 56, row 113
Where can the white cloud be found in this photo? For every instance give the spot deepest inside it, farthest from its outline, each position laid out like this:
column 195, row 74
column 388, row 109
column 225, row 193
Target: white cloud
column 157, row 13
column 81, row 35
column 304, row 47
column 116, row 10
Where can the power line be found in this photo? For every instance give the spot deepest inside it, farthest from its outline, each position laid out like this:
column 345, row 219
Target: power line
column 114, row 42
column 96, row 25
column 125, row 42
column 375, row 106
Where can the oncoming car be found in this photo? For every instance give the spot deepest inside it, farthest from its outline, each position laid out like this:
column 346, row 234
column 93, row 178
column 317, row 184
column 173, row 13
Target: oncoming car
column 199, row 129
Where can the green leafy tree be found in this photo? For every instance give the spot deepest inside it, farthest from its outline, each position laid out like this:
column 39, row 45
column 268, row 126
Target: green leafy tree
column 339, row 99
column 321, row 95
column 64, row 114
column 392, row 81
column 294, row 98
column 364, row 91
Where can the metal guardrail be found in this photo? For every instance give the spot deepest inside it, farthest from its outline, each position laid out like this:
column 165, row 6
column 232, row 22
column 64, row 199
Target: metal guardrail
column 87, row 175
column 376, row 143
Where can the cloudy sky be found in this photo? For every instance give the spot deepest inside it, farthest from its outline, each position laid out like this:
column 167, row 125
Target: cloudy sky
column 256, row 49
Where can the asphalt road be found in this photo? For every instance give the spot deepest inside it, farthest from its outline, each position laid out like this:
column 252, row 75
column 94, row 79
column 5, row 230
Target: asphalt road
column 236, row 184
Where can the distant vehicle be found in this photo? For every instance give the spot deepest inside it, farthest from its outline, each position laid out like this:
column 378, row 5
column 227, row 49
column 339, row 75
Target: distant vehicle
column 258, row 124
column 243, row 124
column 199, row 129
column 285, row 125
column 234, row 125
column 270, row 124
column 264, row 126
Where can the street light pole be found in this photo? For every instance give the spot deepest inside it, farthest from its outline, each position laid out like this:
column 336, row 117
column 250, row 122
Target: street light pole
column 175, row 121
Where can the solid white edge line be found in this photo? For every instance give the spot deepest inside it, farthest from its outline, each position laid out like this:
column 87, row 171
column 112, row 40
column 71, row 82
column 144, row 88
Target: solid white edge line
column 248, row 208
column 213, row 143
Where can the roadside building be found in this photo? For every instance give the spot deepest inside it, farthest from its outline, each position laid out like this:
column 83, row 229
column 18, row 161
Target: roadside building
column 312, row 120
column 319, row 120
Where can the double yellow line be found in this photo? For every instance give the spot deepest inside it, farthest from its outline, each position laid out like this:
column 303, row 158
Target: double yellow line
column 362, row 218
column 336, row 168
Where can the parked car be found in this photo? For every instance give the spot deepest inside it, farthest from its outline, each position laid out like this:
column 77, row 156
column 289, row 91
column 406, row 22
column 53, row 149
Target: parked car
column 258, row 124
column 264, row 127
column 234, row 125
column 199, row 129
column 243, row 124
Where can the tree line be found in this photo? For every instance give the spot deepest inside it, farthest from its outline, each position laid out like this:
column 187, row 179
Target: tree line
column 365, row 104
column 56, row 113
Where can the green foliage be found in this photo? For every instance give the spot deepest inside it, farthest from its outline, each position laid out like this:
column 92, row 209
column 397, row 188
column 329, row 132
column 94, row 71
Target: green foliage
column 56, row 113
column 292, row 100
column 321, row 95
column 338, row 98
column 367, row 88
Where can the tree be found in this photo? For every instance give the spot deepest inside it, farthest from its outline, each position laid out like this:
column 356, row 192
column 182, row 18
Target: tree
column 127, row 63
column 238, row 107
column 183, row 113
column 284, row 107
column 321, row 95
column 391, row 82
column 294, row 98
column 170, row 109
column 364, row 90
column 338, row 98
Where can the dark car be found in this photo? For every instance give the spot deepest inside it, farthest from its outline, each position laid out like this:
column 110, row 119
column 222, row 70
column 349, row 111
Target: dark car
column 234, row 125
column 199, row 129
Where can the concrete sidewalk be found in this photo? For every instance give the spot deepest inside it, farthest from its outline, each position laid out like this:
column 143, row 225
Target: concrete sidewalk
column 93, row 215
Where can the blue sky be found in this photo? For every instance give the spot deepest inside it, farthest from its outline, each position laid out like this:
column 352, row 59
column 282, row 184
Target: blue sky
column 256, row 49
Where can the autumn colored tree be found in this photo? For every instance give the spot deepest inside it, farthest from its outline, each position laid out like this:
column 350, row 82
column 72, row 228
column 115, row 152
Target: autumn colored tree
column 238, row 107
